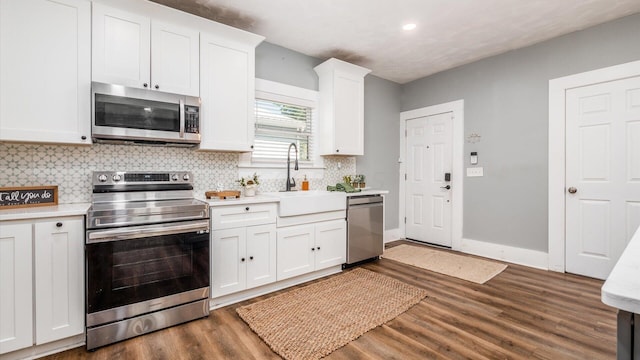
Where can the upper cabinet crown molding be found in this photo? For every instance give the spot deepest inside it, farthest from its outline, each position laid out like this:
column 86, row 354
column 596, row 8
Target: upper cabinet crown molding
column 341, row 107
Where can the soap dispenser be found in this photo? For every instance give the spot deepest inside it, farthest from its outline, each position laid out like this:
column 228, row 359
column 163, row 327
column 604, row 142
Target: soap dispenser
column 305, row 184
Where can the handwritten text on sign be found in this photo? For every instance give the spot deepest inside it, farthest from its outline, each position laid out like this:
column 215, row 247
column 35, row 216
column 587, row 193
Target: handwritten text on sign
column 28, row 196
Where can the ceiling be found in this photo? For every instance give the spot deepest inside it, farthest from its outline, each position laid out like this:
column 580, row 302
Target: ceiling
column 369, row 33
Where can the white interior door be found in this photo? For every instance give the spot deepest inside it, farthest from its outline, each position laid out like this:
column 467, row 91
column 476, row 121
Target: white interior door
column 602, row 174
column 428, row 200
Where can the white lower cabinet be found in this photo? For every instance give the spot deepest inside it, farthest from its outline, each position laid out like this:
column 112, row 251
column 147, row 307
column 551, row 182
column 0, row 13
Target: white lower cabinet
column 16, row 298
column 51, row 254
column 243, row 256
column 311, row 247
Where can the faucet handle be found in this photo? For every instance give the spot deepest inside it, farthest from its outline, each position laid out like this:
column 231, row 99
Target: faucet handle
column 293, row 182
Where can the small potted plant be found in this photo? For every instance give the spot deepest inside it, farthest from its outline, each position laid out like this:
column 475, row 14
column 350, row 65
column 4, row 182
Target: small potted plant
column 361, row 181
column 249, row 184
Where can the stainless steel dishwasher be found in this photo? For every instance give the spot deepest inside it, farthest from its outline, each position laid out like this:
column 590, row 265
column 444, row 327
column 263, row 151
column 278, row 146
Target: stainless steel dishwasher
column 364, row 227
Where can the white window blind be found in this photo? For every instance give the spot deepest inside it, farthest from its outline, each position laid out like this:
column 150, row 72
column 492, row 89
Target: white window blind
column 277, row 126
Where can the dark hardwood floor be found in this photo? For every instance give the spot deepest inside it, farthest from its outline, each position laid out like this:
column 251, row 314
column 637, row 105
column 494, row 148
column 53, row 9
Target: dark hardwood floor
column 522, row 313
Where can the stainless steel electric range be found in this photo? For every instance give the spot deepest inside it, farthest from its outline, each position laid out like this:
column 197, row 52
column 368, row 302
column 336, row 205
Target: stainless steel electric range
column 147, row 255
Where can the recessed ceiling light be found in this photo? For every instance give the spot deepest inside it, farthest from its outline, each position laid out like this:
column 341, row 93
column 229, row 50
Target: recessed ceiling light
column 408, row 27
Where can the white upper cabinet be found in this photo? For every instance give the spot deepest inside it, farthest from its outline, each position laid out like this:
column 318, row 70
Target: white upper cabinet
column 45, row 71
column 227, row 78
column 341, row 107
column 175, row 59
column 136, row 51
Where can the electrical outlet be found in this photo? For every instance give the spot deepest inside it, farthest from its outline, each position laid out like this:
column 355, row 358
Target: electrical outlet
column 475, row 171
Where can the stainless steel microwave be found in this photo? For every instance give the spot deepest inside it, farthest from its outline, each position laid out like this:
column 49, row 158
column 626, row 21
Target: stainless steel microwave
column 128, row 115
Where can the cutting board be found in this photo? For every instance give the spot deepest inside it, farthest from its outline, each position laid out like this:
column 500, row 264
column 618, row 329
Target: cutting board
column 224, row 194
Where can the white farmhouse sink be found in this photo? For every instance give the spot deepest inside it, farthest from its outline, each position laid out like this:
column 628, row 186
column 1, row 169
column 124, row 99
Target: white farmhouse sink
column 294, row 203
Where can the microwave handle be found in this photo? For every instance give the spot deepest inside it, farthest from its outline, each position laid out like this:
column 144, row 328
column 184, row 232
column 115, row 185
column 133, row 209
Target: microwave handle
column 181, row 118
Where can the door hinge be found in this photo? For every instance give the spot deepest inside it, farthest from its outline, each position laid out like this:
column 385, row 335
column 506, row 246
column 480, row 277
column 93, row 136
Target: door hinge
column 405, row 132
column 405, row 176
column 405, row 219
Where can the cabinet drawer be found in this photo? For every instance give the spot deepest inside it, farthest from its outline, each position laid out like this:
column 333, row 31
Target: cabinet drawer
column 227, row 217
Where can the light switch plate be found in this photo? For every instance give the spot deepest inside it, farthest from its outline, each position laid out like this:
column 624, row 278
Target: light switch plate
column 475, row 171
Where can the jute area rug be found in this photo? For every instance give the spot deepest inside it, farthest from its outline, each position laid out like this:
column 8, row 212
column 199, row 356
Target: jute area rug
column 312, row 321
column 463, row 267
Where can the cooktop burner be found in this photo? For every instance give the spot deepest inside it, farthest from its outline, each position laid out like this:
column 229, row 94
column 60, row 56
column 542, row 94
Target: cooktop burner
column 137, row 198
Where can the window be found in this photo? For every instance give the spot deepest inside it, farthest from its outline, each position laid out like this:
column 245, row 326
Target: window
column 285, row 114
column 278, row 125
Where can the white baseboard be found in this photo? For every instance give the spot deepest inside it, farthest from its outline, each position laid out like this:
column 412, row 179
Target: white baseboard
column 392, row 235
column 520, row 256
column 53, row 347
column 229, row 299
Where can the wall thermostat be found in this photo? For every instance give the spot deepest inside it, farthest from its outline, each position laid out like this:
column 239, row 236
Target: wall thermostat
column 474, row 158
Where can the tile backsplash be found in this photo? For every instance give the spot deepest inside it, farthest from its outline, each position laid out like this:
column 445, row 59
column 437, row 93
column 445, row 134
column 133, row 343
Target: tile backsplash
column 70, row 167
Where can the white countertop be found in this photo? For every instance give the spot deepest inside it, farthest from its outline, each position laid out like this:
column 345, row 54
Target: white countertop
column 369, row 192
column 622, row 288
column 40, row 212
column 243, row 200
column 270, row 197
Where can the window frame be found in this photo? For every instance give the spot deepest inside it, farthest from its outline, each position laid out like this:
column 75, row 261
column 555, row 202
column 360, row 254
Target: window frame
column 288, row 94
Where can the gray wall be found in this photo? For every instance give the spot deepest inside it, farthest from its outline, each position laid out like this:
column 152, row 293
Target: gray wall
column 382, row 111
column 382, row 142
column 286, row 66
column 506, row 102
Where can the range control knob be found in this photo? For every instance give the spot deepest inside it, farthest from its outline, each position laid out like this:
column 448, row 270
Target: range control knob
column 116, row 177
column 174, row 177
column 102, row 178
column 185, row 177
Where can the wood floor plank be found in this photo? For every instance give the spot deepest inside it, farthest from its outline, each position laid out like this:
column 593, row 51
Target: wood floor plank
column 522, row 313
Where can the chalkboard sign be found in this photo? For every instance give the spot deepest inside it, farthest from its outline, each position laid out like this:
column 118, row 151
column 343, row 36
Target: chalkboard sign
column 28, row 196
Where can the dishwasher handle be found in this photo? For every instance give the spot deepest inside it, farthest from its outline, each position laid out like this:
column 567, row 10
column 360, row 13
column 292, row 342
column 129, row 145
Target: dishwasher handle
column 365, row 200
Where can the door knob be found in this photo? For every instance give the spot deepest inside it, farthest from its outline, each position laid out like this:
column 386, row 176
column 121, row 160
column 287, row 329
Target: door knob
column 572, row 190
column 445, row 187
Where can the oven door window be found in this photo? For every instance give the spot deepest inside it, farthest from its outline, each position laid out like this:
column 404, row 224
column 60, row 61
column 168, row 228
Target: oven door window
column 129, row 271
column 124, row 112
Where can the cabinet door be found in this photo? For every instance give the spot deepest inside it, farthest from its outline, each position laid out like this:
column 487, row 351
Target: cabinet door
column 121, row 47
column 261, row 255
column 16, row 312
column 227, row 90
column 59, row 279
column 45, row 73
column 228, row 261
column 175, row 59
column 331, row 244
column 348, row 114
column 296, row 251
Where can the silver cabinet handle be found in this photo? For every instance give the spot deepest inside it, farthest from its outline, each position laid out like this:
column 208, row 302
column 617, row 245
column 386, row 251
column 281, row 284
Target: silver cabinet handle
column 445, row 187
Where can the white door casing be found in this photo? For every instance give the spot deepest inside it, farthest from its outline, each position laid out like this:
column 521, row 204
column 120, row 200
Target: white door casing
column 557, row 133
column 429, row 157
column 602, row 174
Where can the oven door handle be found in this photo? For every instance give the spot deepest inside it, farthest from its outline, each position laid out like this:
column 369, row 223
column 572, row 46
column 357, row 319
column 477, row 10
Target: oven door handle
column 98, row 236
